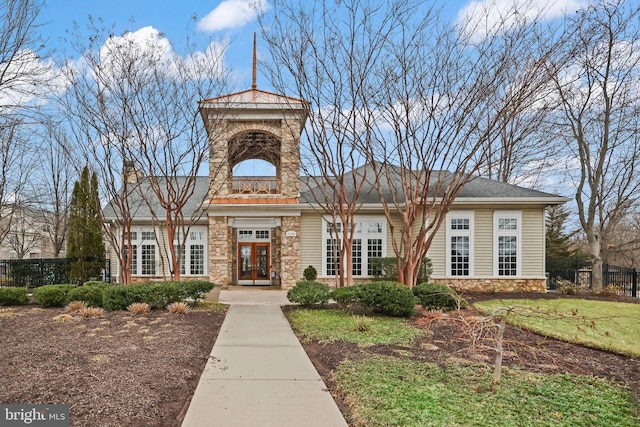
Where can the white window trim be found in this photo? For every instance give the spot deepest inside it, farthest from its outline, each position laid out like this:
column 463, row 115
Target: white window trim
column 470, row 215
column 360, row 233
column 199, row 232
column 497, row 215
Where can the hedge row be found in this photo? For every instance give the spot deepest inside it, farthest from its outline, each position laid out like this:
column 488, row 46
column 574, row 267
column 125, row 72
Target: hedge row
column 111, row 297
column 389, row 298
column 384, row 297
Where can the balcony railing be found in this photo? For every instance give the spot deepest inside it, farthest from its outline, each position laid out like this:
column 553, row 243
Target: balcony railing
column 255, row 185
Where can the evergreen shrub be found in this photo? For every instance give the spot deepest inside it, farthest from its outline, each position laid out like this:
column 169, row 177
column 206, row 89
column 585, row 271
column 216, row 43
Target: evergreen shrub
column 388, row 298
column 14, row 296
column 309, row 293
column 345, row 296
column 52, row 295
column 90, row 294
column 310, row 274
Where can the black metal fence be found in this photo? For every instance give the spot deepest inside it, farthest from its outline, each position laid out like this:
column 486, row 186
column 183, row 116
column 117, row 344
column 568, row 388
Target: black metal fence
column 43, row 271
column 579, row 272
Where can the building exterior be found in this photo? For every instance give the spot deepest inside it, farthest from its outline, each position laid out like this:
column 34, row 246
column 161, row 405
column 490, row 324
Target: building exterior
column 27, row 233
column 266, row 230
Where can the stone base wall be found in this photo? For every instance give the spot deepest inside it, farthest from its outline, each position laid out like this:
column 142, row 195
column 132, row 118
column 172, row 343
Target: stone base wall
column 472, row 285
column 494, row 285
column 147, row 279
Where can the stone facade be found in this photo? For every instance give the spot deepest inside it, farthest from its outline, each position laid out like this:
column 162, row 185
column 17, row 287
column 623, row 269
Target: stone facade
column 220, row 251
column 290, row 252
column 495, row 285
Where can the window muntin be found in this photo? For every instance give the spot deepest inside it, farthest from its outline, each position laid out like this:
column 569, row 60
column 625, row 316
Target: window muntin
column 197, row 259
column 356, row 257
column 366, row 230
column 459, row 243
column 507, row 238
column 460, row 252
column 147, row 255
column 148, row 260
column 374, row 250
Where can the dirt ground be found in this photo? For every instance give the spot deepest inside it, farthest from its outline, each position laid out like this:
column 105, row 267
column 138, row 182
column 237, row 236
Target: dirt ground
column 117, row 370
column 448, row 339
column 141, row 370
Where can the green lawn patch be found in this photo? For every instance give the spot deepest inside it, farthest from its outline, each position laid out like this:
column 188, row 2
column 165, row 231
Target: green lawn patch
column 326, row 325
column 388, row 391
column 613, row 326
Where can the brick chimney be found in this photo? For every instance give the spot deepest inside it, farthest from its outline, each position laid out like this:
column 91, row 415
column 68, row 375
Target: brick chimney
column 130, row 175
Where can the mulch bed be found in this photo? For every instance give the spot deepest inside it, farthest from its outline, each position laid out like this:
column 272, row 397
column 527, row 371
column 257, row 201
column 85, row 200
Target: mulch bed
column 448, row 340
column 119, row 370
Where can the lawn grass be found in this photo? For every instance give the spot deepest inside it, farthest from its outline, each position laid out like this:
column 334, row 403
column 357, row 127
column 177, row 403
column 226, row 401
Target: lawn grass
column 389, row 391
column 613, row 326
column 325, row 325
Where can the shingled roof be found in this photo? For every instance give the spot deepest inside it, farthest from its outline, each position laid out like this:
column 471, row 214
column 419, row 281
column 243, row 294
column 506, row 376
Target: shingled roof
column 311, row 192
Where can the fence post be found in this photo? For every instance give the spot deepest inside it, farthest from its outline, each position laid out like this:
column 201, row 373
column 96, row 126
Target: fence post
column 634, row 284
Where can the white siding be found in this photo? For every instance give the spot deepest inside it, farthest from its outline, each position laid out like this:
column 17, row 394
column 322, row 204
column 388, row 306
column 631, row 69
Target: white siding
column 311, row 241
column 533, row 243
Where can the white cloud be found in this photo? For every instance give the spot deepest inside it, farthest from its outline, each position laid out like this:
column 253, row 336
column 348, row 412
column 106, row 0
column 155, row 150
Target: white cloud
column 481, row 17
column 232, row 14
column 27, row 79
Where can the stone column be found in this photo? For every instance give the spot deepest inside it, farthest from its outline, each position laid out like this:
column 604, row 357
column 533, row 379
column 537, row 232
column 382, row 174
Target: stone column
column 219, row 251
column 219, row 161
column 290, row 159
column 290, row 251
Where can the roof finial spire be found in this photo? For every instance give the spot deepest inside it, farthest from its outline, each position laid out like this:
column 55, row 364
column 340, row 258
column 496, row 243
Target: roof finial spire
column 254, row 85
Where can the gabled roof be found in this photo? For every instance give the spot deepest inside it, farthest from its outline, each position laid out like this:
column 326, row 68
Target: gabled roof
column 251, row 96
column 477, row 190
column 143, row 201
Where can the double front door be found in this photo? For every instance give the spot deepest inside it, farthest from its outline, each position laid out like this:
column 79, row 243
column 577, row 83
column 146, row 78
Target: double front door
column 253, row 263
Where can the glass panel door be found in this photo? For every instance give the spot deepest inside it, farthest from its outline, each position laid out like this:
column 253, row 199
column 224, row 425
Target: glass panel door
column 262, row 261
column 253, row 262
column 245, row 261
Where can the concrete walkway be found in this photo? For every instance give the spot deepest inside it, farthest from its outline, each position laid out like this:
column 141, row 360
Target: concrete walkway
column 258, row 373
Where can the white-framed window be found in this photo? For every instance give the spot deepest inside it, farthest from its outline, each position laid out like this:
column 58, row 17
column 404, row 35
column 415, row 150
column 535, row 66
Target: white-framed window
column 147, row 257
column 369, row 241
column 507, row 237
column 196, row 259
column 459, row 247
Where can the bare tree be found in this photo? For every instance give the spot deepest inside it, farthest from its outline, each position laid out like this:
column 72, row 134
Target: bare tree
column 329, row 63
column 136, row 105
column 21, row 77
column 447, row 92
column 21, row 70
column 394, row 85
column 596, row 82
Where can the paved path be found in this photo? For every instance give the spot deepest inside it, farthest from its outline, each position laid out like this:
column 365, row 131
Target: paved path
column 258, row 373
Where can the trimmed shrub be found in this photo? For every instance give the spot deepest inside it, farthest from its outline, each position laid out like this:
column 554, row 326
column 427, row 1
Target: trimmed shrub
column 194, row 289
column 310, row 273
column 388, row 298
column 309, row 293
column 346, row 295
column 438, row 297
column 13, row 296
column 52, row 295
column 90, row 294
column 97, row 283
column 157, row 295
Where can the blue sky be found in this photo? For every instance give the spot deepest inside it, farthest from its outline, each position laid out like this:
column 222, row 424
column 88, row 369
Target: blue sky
column 231, row 20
